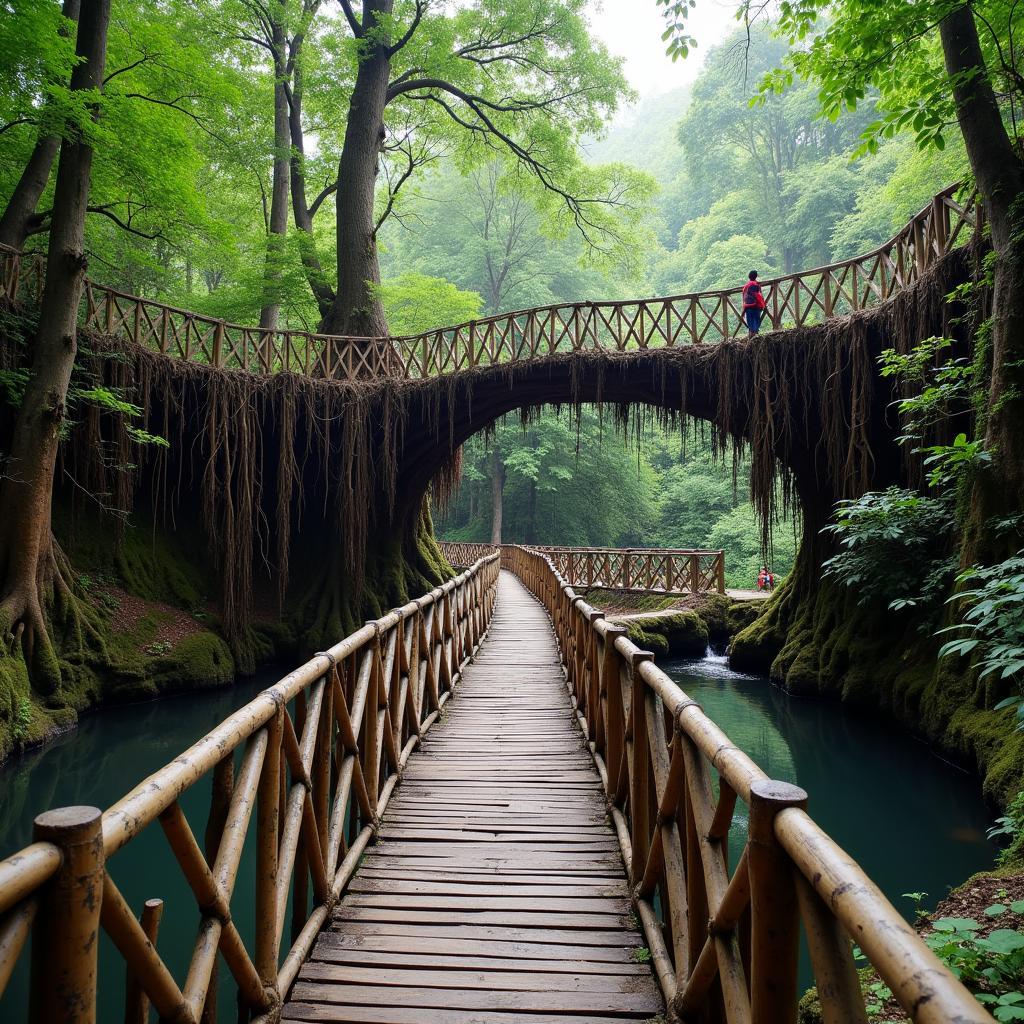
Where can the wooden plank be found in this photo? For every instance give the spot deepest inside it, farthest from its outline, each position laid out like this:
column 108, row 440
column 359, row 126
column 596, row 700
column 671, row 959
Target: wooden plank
column 608, row 1003
column 296, row 1012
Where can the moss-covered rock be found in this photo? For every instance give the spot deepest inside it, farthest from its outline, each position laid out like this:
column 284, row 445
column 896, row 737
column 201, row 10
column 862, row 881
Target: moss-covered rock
column 646, row 639
column 680, row 632
column 197, row 663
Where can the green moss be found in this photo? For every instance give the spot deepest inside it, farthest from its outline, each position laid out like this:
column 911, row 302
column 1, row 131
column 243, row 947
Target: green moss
column 714, row 610
column 681, row 632
column 158, row 565
column 198, row 662
column 646, row 640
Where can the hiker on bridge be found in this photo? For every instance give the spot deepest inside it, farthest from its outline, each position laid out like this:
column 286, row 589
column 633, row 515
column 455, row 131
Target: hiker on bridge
column 754, row 306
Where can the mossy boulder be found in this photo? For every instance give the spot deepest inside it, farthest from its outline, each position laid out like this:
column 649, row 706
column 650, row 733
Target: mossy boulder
column 683, row 633
column 726, row 617
column 647, row 639
column 197, row 663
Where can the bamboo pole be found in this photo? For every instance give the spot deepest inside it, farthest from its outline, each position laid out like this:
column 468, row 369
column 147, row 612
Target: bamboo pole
column 136, row 1002
column 775, row 921
column 66, row 937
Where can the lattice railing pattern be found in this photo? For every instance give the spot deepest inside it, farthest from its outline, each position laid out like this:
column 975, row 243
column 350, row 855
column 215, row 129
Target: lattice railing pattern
column 795, row 300
column 661, row 570
column 461, row 553
column 724, row 937
column 321, row 753
column 649, row 570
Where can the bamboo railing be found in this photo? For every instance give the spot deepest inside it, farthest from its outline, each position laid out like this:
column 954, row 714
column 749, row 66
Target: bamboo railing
column 721, row 940
column 463, row 552
column 647, row 570
column 794, row 300
column 321, row 753
column 650, row 570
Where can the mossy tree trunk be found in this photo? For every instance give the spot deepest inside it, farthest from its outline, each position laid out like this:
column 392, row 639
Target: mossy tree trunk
column 29, row 560
column 999, row 173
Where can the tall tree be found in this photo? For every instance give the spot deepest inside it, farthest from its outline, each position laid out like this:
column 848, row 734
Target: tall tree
column 20, row 211
column 28, row 560
column 522, row 76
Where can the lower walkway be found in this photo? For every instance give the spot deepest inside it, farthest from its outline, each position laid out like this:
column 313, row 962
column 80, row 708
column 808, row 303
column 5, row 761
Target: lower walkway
column 496, row 893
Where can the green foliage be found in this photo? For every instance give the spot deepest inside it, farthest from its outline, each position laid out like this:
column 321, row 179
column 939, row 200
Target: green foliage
column 894, row 548
column 417, row 303
column 992, row 966
column 1009, row 828
column 22, row 718
column 992, row 624
column 593, row 487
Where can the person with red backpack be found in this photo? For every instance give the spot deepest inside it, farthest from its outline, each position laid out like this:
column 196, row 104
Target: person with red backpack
column 754, row 305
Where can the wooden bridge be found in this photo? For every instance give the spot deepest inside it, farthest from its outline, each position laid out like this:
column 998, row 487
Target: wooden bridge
column 486, row 806
column 794, row 300
column 645, row 570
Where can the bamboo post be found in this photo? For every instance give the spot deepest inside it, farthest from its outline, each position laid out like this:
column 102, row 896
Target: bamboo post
column 136, row 1002
column 220, row 802
column 66, row 936
column 268, row 812
column 218, row 343
column 775, row 919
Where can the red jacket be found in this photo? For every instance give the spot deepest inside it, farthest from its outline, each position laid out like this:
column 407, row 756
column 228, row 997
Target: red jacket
column 752, row 297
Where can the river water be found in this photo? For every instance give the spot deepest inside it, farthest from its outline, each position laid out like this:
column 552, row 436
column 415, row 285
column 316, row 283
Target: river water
column 910, row 819
column 914, row 822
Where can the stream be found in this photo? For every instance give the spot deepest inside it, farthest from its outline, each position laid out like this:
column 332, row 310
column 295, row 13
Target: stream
column 913, row 821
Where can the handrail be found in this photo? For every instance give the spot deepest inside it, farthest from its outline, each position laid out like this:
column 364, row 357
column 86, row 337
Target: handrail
column 322, row 751
column 659, row 757
column 644, row 570
column 794, row 300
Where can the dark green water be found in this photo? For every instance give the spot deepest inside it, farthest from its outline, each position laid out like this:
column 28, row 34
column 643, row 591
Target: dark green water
column 913, row 821
column 108, row 755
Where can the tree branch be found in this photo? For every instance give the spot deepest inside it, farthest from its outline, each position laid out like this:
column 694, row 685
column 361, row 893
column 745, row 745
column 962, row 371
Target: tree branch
column 350, row 17
column 15, row 123
column 411, row 30
column 324, row 193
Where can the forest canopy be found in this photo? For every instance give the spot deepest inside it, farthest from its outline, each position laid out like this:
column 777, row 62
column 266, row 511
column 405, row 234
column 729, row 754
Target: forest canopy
column 216, row 176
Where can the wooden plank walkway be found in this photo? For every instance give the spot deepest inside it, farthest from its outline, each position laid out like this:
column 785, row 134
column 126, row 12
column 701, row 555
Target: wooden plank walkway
column 497, row 892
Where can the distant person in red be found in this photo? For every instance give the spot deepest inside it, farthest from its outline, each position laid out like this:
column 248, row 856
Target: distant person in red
column 765, row 580
column 753, row 303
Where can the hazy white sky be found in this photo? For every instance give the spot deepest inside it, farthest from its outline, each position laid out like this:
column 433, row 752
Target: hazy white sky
column 632, row 29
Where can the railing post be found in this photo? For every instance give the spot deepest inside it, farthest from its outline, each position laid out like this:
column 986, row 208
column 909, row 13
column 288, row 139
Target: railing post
column 136, row 1002
column 694, row 574
column 218, row 343
column 940, row 223
column 775, row 917
column 268, row 811
column 65, row 941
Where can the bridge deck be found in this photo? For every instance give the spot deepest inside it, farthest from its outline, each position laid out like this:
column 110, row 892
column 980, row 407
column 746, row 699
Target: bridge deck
column 497, row 893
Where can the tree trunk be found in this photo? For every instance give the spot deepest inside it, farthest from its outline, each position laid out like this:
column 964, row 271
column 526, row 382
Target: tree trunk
column 278, row 226
column 1000, row 177
column 322, row 291
column 357, row 309
column 19, row 214
column 531, row 514
column 497, row 496
column 27, row 556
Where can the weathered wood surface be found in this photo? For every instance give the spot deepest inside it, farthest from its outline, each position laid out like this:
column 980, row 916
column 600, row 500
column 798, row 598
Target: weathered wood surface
column 497, row 891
